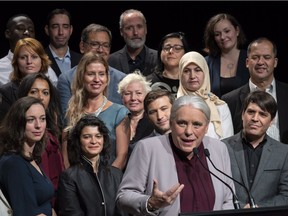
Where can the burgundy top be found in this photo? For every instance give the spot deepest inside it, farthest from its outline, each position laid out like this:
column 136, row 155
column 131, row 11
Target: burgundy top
column 198, row 193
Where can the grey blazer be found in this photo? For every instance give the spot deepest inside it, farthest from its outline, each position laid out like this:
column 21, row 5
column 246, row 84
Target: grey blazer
column 152, row 158
column 270, row 186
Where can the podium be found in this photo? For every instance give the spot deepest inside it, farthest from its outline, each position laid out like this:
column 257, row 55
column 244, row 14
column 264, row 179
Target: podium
column 265, row 211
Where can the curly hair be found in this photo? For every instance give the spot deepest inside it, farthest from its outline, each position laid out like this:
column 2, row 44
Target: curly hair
column 74, row 144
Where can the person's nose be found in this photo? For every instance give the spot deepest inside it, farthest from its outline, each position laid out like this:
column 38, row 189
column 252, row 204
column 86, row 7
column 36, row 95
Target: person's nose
column 189, row 130
column 160, row 114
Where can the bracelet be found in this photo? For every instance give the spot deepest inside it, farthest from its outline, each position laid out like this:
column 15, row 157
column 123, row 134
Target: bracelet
column 150, row 207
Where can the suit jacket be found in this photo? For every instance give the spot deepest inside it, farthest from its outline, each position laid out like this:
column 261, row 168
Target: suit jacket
column 119, row 60
column 152, row 158
column 75, row 58
column 270, row 186
column 235, row 99
column 8, row 95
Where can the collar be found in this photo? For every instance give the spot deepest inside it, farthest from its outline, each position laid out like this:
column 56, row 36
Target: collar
column 254, row 87
column 67, row 55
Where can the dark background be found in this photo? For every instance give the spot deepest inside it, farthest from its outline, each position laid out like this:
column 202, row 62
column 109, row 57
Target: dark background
column 257, row 18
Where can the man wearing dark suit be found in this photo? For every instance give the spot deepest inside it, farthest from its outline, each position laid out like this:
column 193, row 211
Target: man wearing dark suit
column 135, row 56
column 261, row 62
column 59, row 30
column 258, row 161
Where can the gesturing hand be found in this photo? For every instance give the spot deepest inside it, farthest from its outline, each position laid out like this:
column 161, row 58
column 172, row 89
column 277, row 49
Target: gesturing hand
column 161, row 199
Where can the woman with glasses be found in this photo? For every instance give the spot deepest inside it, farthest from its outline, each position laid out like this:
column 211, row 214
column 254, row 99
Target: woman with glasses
column 166, row 74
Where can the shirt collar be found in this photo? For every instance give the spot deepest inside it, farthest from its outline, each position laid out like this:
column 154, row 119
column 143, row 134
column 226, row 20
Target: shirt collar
column 254, row 87
column 67, row 55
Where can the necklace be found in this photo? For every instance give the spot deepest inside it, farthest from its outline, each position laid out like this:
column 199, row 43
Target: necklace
column 98, row 111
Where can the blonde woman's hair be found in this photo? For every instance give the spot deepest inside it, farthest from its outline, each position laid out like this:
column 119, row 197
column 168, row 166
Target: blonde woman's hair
column 79, row 94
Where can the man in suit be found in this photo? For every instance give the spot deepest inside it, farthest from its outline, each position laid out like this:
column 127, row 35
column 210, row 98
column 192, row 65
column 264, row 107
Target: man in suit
column 261, row 62
column 258, row 161
column 157, row 106
column 59, row 30
column 135, row 56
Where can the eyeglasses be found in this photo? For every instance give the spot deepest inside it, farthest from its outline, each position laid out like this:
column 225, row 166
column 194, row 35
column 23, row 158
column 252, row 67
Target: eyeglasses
column 97, row 45
column 175, row 48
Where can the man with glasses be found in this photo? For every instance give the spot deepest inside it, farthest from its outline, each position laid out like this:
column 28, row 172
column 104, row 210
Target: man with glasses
column 97, row 39
column 59, row 30
column 135, row 55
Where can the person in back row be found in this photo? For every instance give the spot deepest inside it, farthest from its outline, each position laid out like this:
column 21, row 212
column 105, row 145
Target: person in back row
column 135, row 56
column 59, row 30
column 97, row 39
column 18, row 27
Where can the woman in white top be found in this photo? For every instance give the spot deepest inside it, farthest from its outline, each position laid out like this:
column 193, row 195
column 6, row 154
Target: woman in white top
column 195, row 80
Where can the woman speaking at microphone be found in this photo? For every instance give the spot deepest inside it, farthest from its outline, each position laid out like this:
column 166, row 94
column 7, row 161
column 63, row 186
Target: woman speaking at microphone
column 165, row 177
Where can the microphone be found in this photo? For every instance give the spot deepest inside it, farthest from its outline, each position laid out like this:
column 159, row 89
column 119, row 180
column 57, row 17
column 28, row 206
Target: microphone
column 251, row 199
column 235, row 198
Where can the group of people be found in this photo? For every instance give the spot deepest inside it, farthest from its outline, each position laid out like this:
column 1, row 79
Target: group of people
column 140, row 131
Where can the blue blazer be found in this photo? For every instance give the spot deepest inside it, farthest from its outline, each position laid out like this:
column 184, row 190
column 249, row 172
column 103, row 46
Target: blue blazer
column 214, row 64
column 270, row 186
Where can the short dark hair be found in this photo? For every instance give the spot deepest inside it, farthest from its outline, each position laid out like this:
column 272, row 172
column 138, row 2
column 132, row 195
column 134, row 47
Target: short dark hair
column 262, row 99
column 179, row 35
column 155, row 94
column 11, row 19
column 260, row 40
column 58, row 11
column 74, row 144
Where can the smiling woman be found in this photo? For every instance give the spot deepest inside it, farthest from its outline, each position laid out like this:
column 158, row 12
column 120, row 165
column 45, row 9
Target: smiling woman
column 95, row 192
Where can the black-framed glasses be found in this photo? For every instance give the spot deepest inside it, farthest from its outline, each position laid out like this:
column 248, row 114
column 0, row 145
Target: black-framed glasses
column 97, row 45
column 175, row 48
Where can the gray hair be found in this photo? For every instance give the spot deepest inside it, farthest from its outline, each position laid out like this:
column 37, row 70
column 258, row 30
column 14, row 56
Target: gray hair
column 94, row 28
column 193, row 101
column 134, row 77
column 129, row 11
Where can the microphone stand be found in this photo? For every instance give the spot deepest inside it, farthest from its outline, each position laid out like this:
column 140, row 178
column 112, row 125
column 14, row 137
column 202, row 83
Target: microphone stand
column 235, row 198
column 251, row 199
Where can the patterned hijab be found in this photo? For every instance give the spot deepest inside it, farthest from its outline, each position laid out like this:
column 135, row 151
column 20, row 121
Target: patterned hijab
column 205, row 90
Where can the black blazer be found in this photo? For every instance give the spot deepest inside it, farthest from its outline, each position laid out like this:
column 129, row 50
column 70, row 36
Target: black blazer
column 75, row 58
column 82, row 192
column 8, row 95
column 235, row 99
column 119, row 60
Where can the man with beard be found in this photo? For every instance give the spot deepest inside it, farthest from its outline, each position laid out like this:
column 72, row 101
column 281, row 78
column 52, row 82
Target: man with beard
column 135, row 55
column 59, row 30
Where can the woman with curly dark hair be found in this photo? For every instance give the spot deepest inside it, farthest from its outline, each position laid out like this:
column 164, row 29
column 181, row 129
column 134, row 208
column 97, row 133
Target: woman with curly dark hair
column 89, row 185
